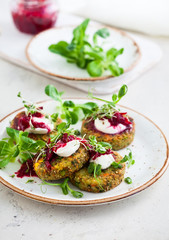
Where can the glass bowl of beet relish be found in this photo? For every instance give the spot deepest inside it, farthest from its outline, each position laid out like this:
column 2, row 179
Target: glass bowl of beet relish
column 34, row 16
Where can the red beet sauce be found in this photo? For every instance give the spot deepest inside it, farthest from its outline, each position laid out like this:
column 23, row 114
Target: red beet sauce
column 26, row 170
column 22, row 122
column 95, row 155
column 34, row 16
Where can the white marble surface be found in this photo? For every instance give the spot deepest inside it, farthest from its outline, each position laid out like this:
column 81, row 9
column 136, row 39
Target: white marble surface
column 143, row 216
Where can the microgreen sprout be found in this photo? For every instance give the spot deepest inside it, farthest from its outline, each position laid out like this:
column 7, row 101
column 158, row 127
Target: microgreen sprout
column 68, row 109
column 65, row 188
column 100, row 147
column 30, row 107
column 109, row 108
column 127, row 158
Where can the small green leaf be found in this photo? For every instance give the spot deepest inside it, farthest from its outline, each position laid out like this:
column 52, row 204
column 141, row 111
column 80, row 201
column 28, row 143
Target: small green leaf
column 116, row 165
column 123, row 90
column 77, row 194
column 77, row 132
column 95, row 68
column 90, row 168
column 106, row 145
column 64, row 186
column 128, row 180
column 60, row 48
column 98, row 169
column 52, row 92
column 4, row 162
column 68, row 104
column 30, row 181
column 16, row 153
column 115, row 69
column 104, row 33
column 114, row 97
column 72, row 117
column 54, row 117
column 112, row 53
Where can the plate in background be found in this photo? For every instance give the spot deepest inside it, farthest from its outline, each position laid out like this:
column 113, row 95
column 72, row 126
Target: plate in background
column 55, row 65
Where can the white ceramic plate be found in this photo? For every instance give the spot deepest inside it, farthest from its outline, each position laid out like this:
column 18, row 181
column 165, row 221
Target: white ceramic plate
column 150, row 151
column 40, row 57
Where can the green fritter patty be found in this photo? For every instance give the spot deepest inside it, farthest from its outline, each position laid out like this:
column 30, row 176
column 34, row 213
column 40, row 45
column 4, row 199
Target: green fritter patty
column 118, row 141
column 44, row 137
column 108, row 179
column 61, row 167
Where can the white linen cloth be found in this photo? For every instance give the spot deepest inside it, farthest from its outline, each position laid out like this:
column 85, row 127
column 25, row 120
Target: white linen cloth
column 147, row 16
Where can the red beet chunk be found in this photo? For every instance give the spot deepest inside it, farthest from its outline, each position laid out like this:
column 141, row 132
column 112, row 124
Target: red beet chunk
column 26, row 170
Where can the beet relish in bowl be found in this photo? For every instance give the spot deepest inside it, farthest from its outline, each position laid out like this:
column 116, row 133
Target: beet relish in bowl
column 34, row 16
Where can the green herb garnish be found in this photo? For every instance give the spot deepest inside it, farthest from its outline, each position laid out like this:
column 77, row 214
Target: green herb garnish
column 95, row 169
column 128, row 180
column 12, row 176
column 30, row 181
column 127, row 158
column 18, row 145
column 65, row 188
column 100, row 147
column 109, row 108
column 68, row 109
column 88, row 55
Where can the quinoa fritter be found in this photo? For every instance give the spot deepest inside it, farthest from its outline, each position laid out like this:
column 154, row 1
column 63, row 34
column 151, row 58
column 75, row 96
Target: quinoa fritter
column 61, row 167
column 108, row 179
column 118, row 141
column 44, row 137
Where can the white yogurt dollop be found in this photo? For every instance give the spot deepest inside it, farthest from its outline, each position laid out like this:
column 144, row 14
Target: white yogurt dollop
column 104, row 160
column 47, row 122
column 103, row 125
column 70, row 148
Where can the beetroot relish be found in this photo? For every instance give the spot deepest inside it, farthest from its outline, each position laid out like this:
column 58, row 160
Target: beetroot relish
column 26, row 170
column 95, row 155
column 23, row 122
column 34, row 16
column 118, row 118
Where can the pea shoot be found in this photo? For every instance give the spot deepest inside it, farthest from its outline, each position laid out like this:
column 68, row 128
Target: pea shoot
column 65, row 188
column 109, row 108
column 68, row 109
column 127, row 158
